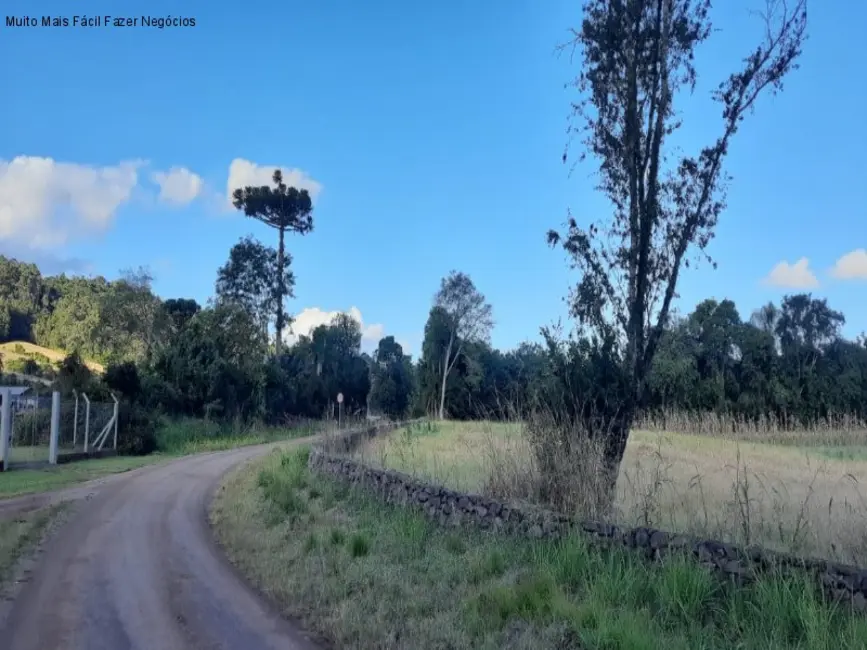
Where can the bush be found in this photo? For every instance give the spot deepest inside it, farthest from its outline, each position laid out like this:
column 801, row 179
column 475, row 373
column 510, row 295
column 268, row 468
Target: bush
column 136, row 432
column 124, row 379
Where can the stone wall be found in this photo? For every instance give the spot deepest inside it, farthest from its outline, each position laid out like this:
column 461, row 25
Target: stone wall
column 451, row 508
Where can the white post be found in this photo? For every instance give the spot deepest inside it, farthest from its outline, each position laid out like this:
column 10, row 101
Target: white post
column 55, row 427
column 86, row 420
column 116, row 413
column 5, row 426
column 75, row 420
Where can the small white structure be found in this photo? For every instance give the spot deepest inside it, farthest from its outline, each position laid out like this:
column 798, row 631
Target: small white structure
column 18, row 396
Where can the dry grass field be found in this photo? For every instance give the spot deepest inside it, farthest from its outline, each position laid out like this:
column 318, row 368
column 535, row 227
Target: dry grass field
column 23, row 350
column 801, row 492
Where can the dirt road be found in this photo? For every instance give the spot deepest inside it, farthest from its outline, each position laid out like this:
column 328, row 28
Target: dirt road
column 136, row 566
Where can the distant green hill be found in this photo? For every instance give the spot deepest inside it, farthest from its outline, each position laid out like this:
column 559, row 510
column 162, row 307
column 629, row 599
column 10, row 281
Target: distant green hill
column 24, row 350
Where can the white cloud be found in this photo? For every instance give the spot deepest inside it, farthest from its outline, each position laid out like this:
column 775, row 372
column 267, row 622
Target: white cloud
column 243, row 172
column 792, row 276
column 852, row 266
column 178, row 185
column 43, row 202
column 312, row 317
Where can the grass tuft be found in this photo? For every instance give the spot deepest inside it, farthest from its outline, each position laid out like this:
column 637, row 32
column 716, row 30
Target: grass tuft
column 359, row 545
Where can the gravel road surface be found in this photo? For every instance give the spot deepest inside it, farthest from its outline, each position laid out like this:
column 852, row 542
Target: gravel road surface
column 136, row 566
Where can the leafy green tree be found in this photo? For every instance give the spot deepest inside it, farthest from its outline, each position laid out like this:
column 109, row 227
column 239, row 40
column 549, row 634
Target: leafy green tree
column 133, row 321
column 336, row 352
column 437, row 334
column 22, row 289
column 806, row 328
column 73, row 374
column 714, row 328
column 179, row 312
column 249, row 278
column 285, row 209
column 674, row 373
column 757, row 372
column 214, row 367
column 468, row 318
column 76, row 321
column 638, row 58
column 5, row 320
column 123, row 378
column 391, row 379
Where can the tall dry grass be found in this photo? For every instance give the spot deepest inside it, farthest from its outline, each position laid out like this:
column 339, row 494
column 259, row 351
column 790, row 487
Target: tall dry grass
column 782, row 496
column 833, row 430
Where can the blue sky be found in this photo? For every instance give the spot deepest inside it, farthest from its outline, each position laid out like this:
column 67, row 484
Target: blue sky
column 434, row 131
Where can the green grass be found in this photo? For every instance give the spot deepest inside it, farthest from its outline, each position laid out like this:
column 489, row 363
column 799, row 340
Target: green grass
column 368, row 575
column 17, row 482
column 18, row 535
column 174, row 437
column 850, row 453
column 190, row 436
column 450, row 453
column 28, row 453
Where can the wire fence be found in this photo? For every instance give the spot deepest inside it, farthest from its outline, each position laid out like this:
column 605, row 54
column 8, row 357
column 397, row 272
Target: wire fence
column 82, row 428
column 81, row 425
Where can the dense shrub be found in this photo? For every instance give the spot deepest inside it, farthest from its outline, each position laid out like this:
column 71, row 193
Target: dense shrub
column 123, row 378
column 136, row 431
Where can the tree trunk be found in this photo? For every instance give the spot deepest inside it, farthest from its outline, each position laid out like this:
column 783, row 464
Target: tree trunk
column 445, row 377
column 281, row 260
column 613, row 451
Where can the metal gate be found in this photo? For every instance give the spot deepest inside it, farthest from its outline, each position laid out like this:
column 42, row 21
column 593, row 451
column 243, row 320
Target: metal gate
column 30, row 429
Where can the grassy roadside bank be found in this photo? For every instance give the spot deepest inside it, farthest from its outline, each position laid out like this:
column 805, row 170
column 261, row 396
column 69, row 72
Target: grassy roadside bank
column 20, row 482
column 366, row 575
column 175, row 438
column 19, row 534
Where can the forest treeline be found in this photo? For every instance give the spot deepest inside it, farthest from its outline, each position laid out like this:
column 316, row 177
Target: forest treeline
column 178, row 357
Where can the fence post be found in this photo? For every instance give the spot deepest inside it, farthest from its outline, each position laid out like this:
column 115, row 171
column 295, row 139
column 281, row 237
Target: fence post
column 75, row 420
column 55, row 427
column 116, row 413
column 86, row 420
column 5, row 426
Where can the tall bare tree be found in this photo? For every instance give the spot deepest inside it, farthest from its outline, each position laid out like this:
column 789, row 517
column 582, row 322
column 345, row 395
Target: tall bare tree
column 638, row 58
column 285, row 209
column 468, row 317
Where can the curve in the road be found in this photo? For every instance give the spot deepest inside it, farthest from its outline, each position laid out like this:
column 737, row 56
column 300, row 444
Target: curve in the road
column 136, row 567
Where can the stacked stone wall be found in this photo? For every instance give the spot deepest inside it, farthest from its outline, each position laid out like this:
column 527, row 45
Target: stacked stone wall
column 456, row 509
